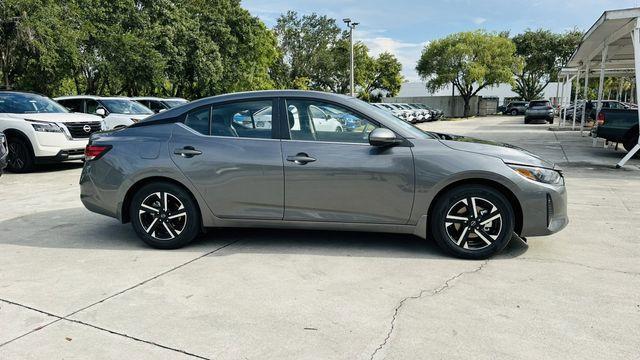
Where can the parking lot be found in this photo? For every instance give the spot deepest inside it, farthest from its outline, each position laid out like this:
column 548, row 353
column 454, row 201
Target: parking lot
column 74, row 284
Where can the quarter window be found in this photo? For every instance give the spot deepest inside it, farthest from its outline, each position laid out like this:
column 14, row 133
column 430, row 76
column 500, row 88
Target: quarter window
column 198, row 120
column 320, row 121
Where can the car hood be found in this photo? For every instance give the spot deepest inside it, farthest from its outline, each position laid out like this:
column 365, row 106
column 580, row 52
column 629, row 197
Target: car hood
column 130, row 116
column 508, row 153
column 56, row 117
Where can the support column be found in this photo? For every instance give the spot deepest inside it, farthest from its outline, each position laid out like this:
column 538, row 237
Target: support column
column 575, row 101
column 605, row 50
column 585, row 96
column 561, row 102
column 635, row 40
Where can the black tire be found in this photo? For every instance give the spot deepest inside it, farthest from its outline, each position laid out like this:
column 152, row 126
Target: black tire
column 165, row 232
column 527, row 120
column 497, row 232
column 630, row 141
column 550, row 120
column 20, row 158
column 514, row 112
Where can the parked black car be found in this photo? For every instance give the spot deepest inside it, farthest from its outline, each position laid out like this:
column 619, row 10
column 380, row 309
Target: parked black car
column 618, row 125
column 516, row 108
column 4, row 152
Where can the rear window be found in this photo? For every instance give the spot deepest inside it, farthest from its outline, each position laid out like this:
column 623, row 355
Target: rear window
column 538, row 103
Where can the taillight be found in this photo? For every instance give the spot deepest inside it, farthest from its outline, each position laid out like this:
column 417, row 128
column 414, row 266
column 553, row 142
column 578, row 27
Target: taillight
column 601, row 119
column 93, row 152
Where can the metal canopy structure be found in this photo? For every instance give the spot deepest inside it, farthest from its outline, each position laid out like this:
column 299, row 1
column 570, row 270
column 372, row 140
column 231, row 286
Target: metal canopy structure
column 610, row 47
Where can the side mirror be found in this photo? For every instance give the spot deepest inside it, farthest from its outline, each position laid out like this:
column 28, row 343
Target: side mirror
column 101, row 112
column 383, row 137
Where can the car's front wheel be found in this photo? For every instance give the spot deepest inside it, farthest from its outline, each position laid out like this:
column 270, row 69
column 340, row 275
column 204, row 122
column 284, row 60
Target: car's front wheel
column 472, row 221
column 514, row 112
column 164, row 215
column 20, row 158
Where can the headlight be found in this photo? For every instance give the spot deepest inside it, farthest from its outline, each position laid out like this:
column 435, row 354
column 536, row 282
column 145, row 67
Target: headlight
column 42, row 126
column 538, row 174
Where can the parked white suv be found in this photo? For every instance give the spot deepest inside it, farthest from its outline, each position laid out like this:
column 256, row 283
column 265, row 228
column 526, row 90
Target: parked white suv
column 39, row 130
column 118, row 112
column 157, row 104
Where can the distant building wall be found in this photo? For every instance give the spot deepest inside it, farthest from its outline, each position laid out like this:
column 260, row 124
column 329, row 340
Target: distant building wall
column 502, row 92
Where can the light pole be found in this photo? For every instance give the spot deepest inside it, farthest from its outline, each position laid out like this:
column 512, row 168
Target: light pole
column 351, row 25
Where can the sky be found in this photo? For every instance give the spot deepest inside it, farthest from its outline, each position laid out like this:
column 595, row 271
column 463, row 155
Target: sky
column 404, row 27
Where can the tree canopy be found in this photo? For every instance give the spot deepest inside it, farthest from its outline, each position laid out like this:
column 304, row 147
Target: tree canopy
column 541, row 54
column 470, row 61
column 316, row 55
column 187, row 48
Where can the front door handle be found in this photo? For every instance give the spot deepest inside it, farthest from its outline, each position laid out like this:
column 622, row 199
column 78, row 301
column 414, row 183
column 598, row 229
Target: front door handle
column 301, row 159
column 187, row 152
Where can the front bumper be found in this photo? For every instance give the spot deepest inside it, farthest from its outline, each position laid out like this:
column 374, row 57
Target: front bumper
column 544, row 208
column 55, row 147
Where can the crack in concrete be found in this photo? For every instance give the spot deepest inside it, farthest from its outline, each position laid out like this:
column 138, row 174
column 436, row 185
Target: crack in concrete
column 558, row 261
column 67, row 317
column 434, row 292
column 564, row 153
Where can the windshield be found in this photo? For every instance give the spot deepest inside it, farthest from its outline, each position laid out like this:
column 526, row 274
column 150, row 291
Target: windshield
column 174, row 103
column 415, row 132
column 19, row 103
column 124, row 106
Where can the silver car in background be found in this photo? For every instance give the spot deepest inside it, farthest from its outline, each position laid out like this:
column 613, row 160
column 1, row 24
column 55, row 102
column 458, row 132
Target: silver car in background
column 196, row 166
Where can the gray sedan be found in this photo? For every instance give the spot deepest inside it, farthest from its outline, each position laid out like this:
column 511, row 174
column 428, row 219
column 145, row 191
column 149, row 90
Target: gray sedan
column 208, row 164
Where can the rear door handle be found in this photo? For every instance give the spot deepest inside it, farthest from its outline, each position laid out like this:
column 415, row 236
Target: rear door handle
column 301, row 159
column 187, row 152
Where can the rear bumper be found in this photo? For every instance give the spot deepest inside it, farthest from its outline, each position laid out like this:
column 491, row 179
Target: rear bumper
column 539, row 114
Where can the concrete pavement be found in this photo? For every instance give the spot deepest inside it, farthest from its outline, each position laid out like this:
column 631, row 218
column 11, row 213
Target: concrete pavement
column 76, row 285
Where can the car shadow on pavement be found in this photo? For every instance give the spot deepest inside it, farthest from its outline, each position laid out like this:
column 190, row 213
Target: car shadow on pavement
column 77, row 228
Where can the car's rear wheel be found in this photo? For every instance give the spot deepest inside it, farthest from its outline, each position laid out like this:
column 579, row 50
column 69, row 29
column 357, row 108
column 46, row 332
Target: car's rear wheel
column 20, row 158
column 630, row 141
column 527, row 120
column 514, row 112
column 164, row 215
column 472, row 221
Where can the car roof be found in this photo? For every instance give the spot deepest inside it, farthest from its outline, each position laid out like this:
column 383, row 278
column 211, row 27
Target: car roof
column 20, row 92
column 156, row 98
column 94, row 97
column 248, row 95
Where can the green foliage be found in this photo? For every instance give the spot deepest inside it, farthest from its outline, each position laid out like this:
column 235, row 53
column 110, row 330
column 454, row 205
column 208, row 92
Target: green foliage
column 541, row 55
column 189, row 48
column 471, row 61
column 316, row 55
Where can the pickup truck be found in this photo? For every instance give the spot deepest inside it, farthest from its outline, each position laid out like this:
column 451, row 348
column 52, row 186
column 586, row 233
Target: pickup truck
column 618, row 125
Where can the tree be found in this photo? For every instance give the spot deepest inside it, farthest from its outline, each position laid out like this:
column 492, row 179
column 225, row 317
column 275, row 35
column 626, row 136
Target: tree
column 471, row 61
column 307, row 43
column 383, row 77
column 315, row 54
column 541, row 55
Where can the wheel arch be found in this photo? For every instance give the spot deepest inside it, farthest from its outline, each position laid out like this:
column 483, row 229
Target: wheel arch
column 511, row 197
column 126, row 202
column 15, row 133
column 632, row 131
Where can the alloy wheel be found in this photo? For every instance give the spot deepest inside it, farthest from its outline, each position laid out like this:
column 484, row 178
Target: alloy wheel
column 162, row 216
column 17, row 156
column 473, row 223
